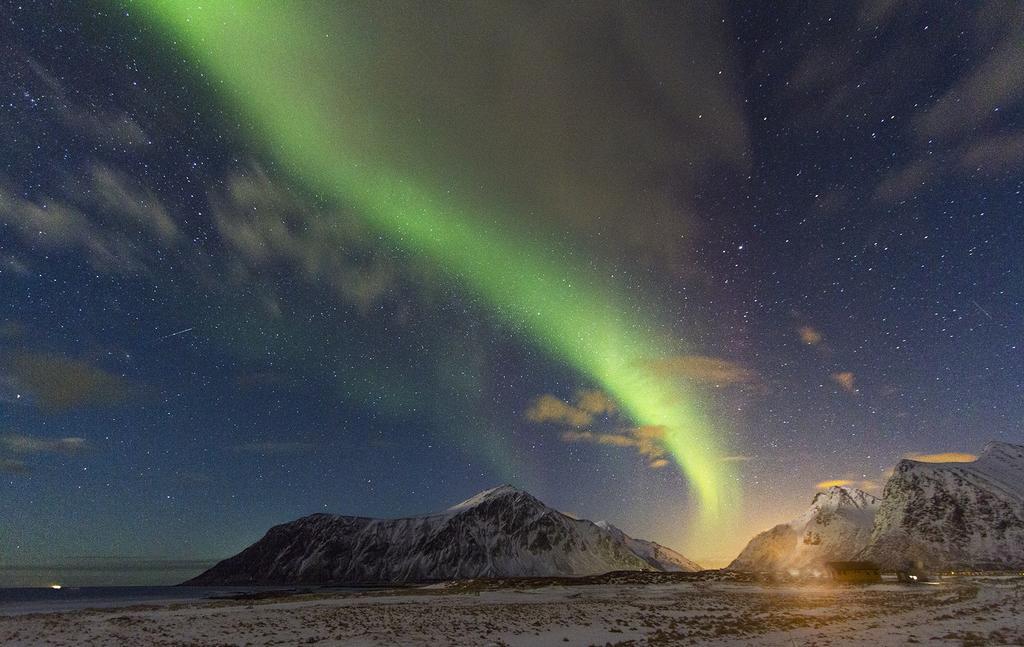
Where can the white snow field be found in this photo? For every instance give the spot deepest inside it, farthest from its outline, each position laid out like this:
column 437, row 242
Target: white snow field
column 955, row 611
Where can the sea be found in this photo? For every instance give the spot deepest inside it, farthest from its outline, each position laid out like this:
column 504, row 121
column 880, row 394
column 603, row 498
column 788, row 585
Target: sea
column 19, row 601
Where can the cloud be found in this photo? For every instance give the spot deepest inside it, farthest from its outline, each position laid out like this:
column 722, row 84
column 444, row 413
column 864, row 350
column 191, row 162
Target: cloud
column 648, row 441
column 995, row 153
column 595, row 120
column 861, row 484
column 548, row 408
column 824, row 485
column 47, row 224
column 116, row 194
column 968, row 128
column 809, row 335
column 942, row 457
column 275, row 448
column 874, row 13
column 965, row 126
column 906, row 181
column 588, row 405
column 58, row 382
column 18, row 444
column 10, row 466
column 995, row 84
column 704, row 370
column 266, row 226
column 109, row 128
column 845, row 379
column 594, row 402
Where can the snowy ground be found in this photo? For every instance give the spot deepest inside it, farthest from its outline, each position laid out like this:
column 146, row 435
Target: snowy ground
column 962, row 611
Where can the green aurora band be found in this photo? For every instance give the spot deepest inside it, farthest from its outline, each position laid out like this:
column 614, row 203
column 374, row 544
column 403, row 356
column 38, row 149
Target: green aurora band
column 263, row 56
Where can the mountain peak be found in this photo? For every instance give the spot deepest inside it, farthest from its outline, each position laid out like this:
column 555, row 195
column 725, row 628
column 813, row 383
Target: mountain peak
column 501, row 491
column 836, row 526
column 500, row 532
column 838, row 496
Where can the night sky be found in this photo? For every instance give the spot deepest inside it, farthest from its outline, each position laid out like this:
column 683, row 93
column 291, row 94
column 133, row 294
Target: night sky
column 671, row 265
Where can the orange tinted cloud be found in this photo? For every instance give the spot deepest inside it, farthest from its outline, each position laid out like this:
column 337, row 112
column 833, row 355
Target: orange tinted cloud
column 845, row 379
column 861, row 484
column 648, row 441
column 943, row 457
column 707, row 370
column 824, row 485
column 548, row 408
column 810, row 336
column 594, row 402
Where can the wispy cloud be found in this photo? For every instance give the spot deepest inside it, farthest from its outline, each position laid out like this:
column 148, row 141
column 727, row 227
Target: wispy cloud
column 133, row 205
column 996, row 153
column 107, row 128
column 18, row 444
column 647, row 440
column 265, row 224
column 996, row 82
column 47, row 224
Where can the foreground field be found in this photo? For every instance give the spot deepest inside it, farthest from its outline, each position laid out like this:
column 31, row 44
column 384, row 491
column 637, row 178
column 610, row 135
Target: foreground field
column 971, row 611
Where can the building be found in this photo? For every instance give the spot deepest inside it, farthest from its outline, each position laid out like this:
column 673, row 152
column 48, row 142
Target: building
column 854, row 572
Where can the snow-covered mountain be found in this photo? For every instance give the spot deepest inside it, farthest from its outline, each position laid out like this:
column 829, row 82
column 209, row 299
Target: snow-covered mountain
column 660, row 558
column 836, row 527
column 502, row 532
column 953, row 515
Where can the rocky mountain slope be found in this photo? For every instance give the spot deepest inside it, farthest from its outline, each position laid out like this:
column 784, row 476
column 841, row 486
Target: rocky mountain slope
column 502, row 532
column 660, row 558
column 837, row 526
column 953, row 515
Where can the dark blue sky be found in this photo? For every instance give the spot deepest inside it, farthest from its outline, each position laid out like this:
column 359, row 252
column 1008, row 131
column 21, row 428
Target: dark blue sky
column 194, row 345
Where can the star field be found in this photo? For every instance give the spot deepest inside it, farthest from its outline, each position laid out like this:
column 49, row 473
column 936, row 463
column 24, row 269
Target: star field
column 625, row 258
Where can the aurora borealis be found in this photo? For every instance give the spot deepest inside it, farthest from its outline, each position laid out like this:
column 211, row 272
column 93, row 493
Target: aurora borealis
column 582, row 320
column 670, row 265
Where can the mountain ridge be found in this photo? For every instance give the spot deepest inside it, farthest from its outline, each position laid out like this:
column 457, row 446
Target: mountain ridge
column 499, row 532
column 956, row 515
column 932, row 515
column 836, row 526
